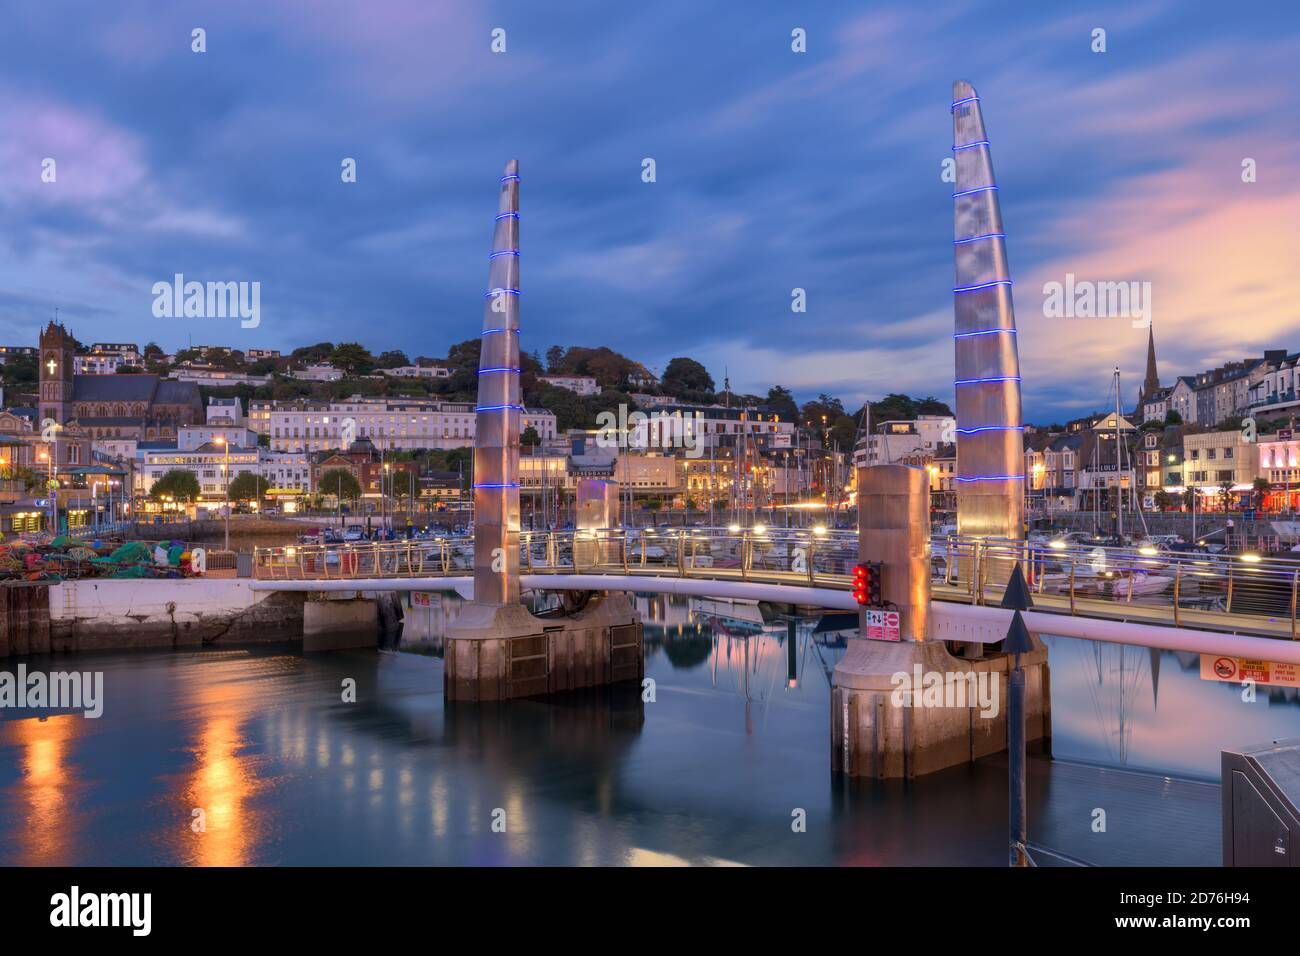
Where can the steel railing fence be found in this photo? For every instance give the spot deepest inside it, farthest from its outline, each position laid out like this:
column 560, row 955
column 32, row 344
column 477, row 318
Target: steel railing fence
column 1247, row 592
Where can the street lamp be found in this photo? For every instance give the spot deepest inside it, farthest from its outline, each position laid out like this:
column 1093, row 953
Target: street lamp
column 225, row 474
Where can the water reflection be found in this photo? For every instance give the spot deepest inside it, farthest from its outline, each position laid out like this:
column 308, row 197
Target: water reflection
column 1149, row 710
column 47, row 787
column 709, row 771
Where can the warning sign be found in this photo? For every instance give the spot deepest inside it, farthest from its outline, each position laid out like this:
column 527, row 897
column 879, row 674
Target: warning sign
column 882, row 625
column 1237, row 669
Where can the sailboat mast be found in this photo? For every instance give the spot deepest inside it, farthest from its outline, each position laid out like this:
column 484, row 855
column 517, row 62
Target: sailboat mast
column 1119, row 464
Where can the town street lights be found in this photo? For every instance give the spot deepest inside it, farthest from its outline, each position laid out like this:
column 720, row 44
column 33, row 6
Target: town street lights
column 225, row 475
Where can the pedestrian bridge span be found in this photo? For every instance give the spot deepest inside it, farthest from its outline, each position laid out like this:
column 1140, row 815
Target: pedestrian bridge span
column 1240, row 604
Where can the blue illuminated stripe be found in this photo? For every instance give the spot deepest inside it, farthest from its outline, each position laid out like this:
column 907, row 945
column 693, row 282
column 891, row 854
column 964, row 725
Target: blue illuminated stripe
column 503, row 252
column 987, row 235
column 508, row 215
column 496, row 408
column 990, row 428
column 991, row 378
column 966, row 335
column 982, row 285
column 484, row 371
column 494, row 331
column 978, row 142
column 498, row 484
column 512, row 177
column 492, row 292
column 977, row 189
column 969, row 99
column 993, row 478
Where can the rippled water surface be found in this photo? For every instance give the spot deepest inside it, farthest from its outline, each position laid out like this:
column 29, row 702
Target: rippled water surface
column 281, row 770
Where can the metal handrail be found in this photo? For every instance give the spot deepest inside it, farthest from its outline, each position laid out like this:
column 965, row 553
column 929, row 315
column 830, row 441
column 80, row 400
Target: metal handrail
column 1135, row 584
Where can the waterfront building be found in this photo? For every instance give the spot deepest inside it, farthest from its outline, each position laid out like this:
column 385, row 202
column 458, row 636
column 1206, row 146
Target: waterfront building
column 578, row 384
column 418, row 371
column 709, row 427
column 12, row 351
column 891, row 442
column 141, row 406
column 323, row 372
column 89, row 364
column 208, row 461
column 1279, row 465
column 215, row 375
column 400, row 424
column 1212, row 460
column 380, row 478
column 1275, row 390
column 225, row 411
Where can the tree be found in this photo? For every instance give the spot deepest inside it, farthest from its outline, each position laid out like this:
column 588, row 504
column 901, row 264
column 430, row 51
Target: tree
column 530, row 436
column 180, row 484
column 844, row 432
column 780, row 402
column 21, row 370
column 1163, row 500
column 823, row 413
column 247, row 486
column 340, row 483
column 1173, row 418
column 1225, row 492
column 686, row 375
column 554, row 358
column 352, row 357
column 1262, row 487
column 393, row 358
column 311, row 354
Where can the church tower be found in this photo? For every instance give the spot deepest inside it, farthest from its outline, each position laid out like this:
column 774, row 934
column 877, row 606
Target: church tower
column 56, row 351
column 1151, row 384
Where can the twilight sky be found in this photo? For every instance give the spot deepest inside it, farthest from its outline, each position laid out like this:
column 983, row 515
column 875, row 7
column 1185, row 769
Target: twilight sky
column 775, row 170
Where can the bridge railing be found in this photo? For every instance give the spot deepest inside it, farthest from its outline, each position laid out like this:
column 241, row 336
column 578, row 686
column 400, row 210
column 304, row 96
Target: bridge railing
column 1258, row 592
column 1246, row 592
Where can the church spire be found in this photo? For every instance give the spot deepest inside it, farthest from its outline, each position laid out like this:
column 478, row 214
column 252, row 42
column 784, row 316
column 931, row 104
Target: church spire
column 1151, row 384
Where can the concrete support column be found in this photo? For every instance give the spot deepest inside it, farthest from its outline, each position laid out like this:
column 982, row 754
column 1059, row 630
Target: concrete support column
column 598, row 519
column 908, row 707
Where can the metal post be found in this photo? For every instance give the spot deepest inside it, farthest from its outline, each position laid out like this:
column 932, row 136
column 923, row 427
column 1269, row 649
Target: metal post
column 1295, row 584
column 1073, row 564
column 1178, row 584
column 226, row 471
column 1017, row 812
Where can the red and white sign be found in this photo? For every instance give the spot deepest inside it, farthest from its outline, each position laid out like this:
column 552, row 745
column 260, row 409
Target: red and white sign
column 1238, row 669
column 882, row 625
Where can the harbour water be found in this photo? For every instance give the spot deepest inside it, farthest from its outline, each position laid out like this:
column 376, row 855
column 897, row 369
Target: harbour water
column 253, row 756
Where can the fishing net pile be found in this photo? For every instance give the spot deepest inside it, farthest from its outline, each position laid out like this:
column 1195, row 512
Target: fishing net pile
column 66, row 559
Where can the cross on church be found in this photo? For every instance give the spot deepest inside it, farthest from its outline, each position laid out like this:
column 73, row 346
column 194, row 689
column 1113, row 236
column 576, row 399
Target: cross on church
column 51, row 365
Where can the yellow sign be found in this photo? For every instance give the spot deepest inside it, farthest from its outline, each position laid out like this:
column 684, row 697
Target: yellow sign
column 1238, row 669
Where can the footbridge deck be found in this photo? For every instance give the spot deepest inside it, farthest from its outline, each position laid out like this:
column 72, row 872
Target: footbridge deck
column 1233, row 594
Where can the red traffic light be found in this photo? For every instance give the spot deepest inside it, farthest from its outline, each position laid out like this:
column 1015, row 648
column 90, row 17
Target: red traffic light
column 866, row 584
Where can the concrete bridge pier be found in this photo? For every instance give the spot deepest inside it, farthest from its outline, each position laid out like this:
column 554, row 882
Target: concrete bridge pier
column 906, row 707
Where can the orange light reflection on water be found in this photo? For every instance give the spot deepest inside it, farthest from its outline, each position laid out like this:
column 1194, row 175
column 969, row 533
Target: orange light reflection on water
column 51, row 819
